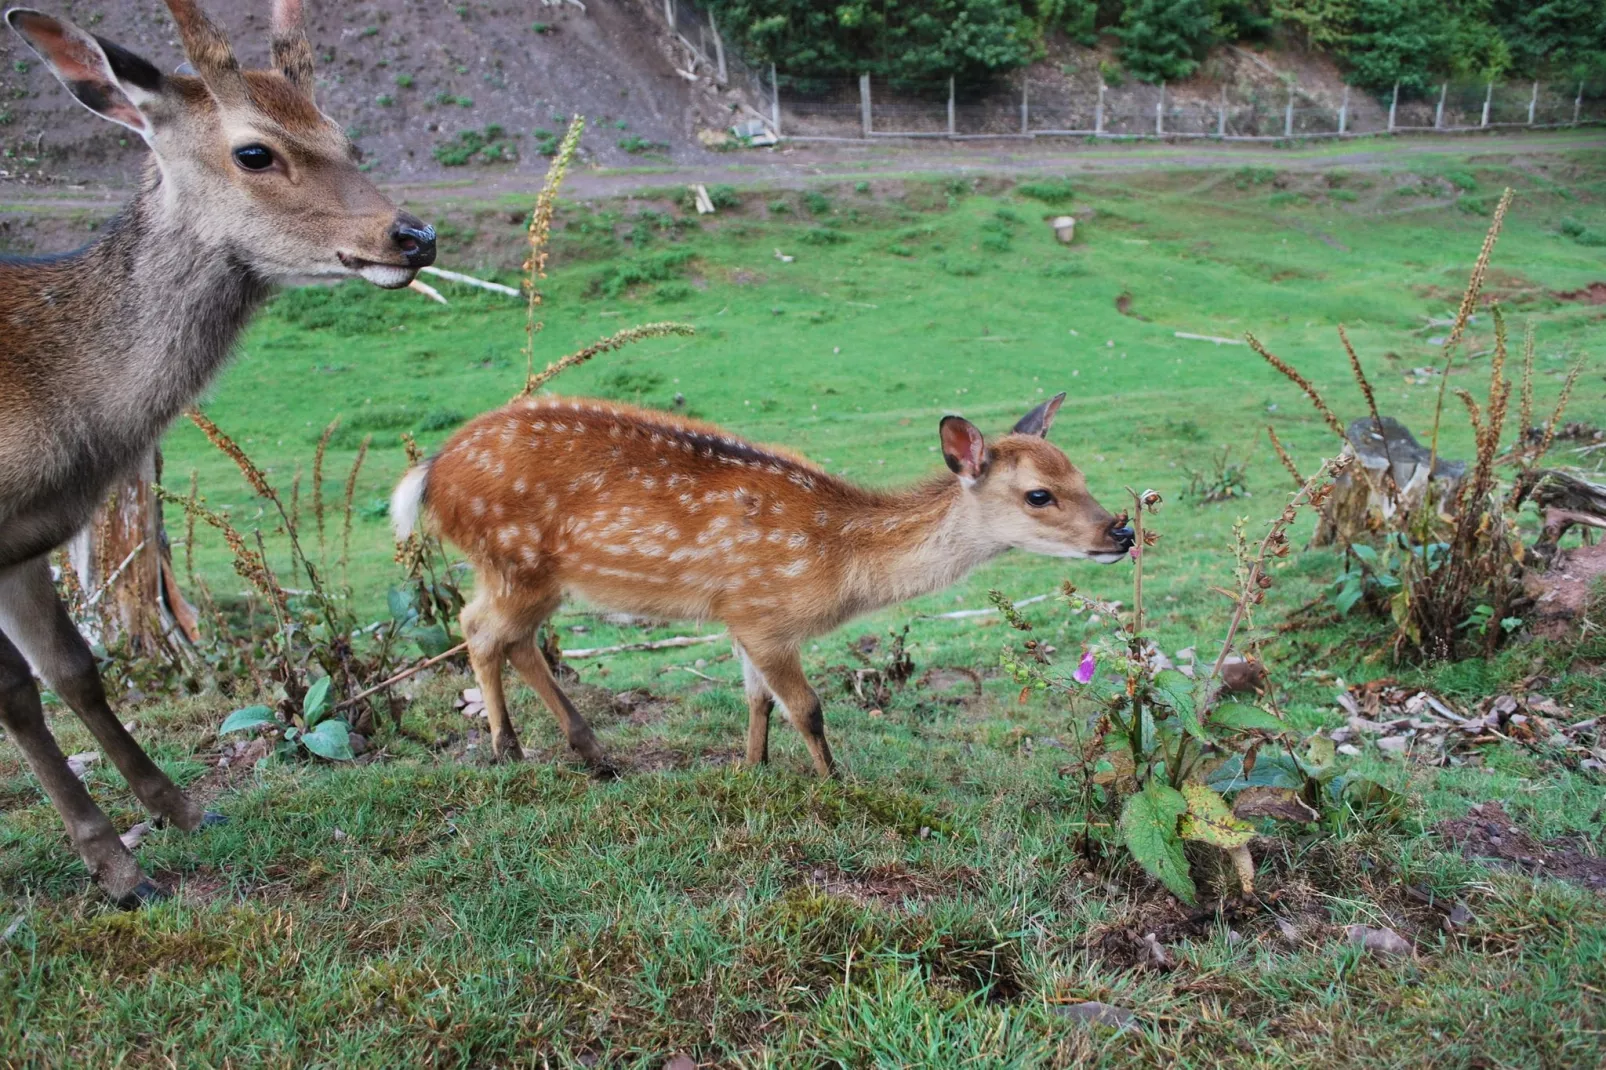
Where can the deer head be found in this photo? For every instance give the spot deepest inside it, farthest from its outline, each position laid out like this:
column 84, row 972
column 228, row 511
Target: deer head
column 1027, row 494
column 246, row 160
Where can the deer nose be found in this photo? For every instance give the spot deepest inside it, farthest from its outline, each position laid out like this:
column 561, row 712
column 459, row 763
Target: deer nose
column 414, row 239
column 1124, row 537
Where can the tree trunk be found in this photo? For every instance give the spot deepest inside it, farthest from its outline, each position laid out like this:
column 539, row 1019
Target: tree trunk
column 124, row 567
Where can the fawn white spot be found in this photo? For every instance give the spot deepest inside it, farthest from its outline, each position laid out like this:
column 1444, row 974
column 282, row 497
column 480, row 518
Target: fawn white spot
column 477, row 506
column 520, row 486
column 793, row 569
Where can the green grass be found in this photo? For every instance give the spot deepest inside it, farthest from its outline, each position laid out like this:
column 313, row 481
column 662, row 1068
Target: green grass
column 933, row 909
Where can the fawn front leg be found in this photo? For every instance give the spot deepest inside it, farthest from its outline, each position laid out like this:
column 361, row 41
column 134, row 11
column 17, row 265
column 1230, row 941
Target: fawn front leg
column 782, row 671
column 760, row 704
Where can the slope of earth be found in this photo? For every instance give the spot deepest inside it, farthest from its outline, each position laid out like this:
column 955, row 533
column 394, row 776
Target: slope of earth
column 408, row 78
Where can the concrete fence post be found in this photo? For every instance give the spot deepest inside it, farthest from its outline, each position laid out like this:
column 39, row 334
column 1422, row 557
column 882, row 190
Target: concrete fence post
column 1025, row 107
column 864, row 102
column 1533, row 103
column 951, row 130
column 1488, row 98
column 1288, row 113
column 1098, row 112
column 1221, row 114
column 1394, row 106
column 1343, row 114
column 1438, row 112
column 775, row 101
column 1159, row 113
column 1578, row 102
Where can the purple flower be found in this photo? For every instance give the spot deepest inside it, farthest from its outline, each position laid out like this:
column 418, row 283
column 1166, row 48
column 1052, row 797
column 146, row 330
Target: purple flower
column 1084, row 671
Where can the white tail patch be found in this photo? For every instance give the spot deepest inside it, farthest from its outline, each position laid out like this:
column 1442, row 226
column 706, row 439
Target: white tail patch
column 408, row 501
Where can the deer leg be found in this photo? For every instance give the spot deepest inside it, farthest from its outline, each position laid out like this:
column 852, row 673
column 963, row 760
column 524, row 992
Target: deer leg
column 760, row 703
column 488, row 643
column 782, row 671
column 33, row 617
column 531, row 664
column 110, row 864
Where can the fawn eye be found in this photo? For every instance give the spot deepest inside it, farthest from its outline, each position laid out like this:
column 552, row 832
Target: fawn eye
column 1037, row 499
column 254, row 157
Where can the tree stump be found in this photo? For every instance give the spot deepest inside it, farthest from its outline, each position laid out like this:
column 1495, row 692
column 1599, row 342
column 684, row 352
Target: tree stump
column 1361, row 503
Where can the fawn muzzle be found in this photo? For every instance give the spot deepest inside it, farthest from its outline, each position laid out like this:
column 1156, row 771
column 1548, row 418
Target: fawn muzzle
column 1123, row 536
column 414, row 239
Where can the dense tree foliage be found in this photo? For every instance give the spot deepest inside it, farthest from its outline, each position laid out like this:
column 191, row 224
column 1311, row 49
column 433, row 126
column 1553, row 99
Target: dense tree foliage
column 1417, row 42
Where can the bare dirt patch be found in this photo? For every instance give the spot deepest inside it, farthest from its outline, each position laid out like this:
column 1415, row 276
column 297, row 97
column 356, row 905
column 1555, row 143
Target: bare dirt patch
column 1593, row 294
column 890, row 886
column 1489, row 834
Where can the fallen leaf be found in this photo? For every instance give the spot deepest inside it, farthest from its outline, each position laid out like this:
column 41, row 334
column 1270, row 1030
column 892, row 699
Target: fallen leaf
column 1159, row 957
column 1394, row 744
column 1092, row 1012
column 1289, row 931
column 1382, row 942
column 1280, row 804
column 131, row 839
column 1460, row 914
column 80, row 763
column 680, row 1062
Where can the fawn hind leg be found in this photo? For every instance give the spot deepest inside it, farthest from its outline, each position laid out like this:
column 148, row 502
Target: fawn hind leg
column 760, row 704
column 35, row 620
column 493, row 627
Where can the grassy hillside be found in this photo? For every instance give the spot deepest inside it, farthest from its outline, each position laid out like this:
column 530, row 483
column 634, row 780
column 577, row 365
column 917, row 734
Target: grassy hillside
column 934, row 908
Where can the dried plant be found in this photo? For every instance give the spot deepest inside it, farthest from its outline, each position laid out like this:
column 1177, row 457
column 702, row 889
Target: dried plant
column 540, row 229
column 606, row 345
column 1282, row 455
column 317, row 481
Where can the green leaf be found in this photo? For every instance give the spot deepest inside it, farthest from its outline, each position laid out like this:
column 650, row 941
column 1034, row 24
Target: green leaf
column 401, row 606
column 1209, row 821
column 431, row 639
column 1275, row 770
column 1149, row 830
column 1364, row 553
column 1320, row 754
column 331, row 739
column 1363, row 793
column 317, row 700
column 1245, row 718
column 1348, row 595
column 249, row 717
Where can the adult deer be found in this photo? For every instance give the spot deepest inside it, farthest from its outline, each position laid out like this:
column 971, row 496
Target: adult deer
column 249, row 184
column 647, row 513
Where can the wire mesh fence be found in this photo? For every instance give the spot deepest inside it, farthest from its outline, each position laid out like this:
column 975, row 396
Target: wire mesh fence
column 1047, row 104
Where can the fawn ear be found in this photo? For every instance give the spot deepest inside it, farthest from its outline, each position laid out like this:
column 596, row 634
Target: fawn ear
column 1039, row 420
column 109, row 80
column 964, row 449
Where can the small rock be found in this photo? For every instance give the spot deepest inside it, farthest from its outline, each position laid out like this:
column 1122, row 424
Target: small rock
column 925, row 832
column 1289, row 931
column 700, row 663
column 1159, row 957
column 1092, row 1012
column 1460, row 914
column 680, row 1062
column 339, row 834
column 79, row 763
column 1349, row 750
column 1381, row 942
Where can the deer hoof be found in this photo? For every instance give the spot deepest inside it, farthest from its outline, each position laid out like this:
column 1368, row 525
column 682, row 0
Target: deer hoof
column 603, row 769
column 146, row 891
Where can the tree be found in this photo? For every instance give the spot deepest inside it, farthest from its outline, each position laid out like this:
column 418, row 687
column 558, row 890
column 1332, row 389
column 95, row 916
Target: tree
column 1163, row 40
column 1403, row 41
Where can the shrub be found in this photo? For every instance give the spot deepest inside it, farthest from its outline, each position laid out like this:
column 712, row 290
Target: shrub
column 615, row 279
column 638, row 146
column 822, row 236
column 1049, row 190
column 816, row 202
column 1163, row 40
column 490, row 145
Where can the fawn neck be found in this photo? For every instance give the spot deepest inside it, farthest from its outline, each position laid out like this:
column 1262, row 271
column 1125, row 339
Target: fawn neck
column 916, row 542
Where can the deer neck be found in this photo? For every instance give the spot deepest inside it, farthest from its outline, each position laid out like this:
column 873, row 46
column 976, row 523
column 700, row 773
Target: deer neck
column 917, row 542
column 164, row 304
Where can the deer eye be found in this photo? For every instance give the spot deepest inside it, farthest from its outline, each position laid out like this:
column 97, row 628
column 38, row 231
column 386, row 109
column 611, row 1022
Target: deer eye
column 254, row 157
column 1037, row 499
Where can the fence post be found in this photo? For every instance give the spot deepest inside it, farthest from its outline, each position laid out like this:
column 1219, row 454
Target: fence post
column 1159, row 113
column 1578, row 102
column 775, row 101
column 1221, row 113
column 864, row 102
column 1438, row 112
column 1098, row 112
column 950, row 105
column 1394, row 106
column 1025, row 112
column 669, row 13
column 719, row 46
column 1488, row 98
column 1533, row 102
column 1288, row 113
column 1343, row 113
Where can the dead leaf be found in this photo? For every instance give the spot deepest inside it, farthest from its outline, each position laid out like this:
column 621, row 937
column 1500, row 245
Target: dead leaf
column 1394, row 744
column 1460, row 914
column 1092, row 1012
column 1158, row 956
column 1279, row 804
column 1381, row 942
column 680, row 1062
column 1289, row 931
column 80, row 763
column 131, row 839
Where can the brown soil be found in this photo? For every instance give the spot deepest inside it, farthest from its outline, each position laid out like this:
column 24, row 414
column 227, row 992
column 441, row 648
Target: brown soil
column 1490, row 834
column 1593, row 294
column 1562, row 594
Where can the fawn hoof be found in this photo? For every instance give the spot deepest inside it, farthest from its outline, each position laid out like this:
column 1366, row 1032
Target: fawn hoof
column 510, row 752
column 603, row 769
column 146, row 891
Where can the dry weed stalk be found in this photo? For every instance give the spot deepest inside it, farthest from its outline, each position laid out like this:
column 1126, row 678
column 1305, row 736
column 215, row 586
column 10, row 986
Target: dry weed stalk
column 1300, row 381
column 614, row 341
column 351, row 493
column 540, row 229
column 1282, row 455
column 248, row 563
column 317, row 481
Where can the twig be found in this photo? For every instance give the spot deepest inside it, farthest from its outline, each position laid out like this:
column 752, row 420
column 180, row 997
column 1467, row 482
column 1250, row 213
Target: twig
column 470, row 280
column 656, row 644
column 399, row 677
column 1209, row 338
column 116, row 572
column 427, row 290
column 965, row 614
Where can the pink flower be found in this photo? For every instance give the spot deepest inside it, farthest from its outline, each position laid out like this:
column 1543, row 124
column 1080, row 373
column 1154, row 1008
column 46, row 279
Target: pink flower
column 1084, row 671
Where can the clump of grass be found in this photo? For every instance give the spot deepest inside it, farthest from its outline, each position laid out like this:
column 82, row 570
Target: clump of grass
column 490, row 145
column 617, row 278
column 637, row 145
column 1049, row 191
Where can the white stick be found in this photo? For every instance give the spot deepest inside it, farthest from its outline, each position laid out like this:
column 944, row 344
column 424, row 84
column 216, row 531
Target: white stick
column 1209, row 338
column 427, row 290
column 965, row 614
column 657, row 644
column 116, row 572
column 470, row 280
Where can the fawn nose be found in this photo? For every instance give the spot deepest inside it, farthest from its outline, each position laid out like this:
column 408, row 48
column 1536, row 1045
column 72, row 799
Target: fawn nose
column 1123, row 537
column 414, row 239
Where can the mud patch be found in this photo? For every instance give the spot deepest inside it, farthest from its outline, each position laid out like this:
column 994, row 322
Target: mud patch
column 1593, row 294
column 1489, row 834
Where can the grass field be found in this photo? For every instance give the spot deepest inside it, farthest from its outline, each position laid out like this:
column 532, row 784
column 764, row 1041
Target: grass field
column 931, row 909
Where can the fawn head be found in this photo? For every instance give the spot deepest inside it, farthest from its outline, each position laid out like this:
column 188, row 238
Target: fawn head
column 247, row 160
column 1028, row 493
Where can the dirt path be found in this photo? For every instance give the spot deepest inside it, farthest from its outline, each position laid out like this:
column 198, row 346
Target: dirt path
column 805, row 163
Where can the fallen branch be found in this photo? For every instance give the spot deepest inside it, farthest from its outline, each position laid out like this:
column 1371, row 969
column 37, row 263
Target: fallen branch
column 470, row 280
column 965, row 614
column 656, row 644
column 399, row 677
column 116, row 572
column 1209, row 338
column 427, row 290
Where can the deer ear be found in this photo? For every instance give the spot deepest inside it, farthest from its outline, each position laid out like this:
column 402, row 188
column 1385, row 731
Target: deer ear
column 109, row 80
column 964, row 449
column 1039, row 420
